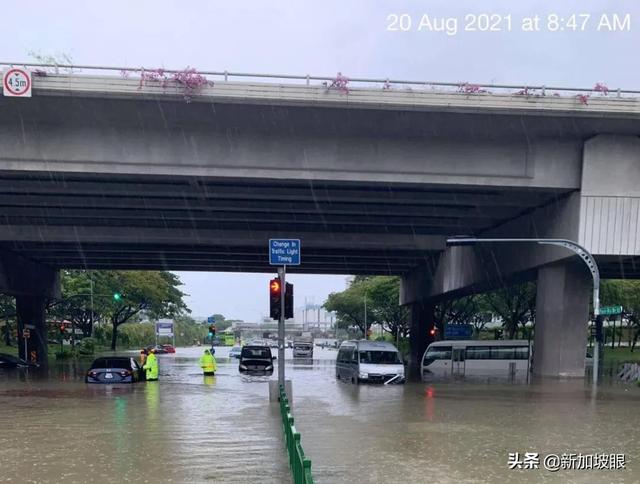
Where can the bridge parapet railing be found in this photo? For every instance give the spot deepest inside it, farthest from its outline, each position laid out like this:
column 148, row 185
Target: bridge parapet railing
column 339, row 82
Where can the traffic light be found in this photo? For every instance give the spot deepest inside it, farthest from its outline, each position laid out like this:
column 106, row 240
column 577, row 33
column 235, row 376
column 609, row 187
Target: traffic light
column 288, row 301
column 61, row 328
column 117, row 296
column 433, row 331
column 212, row 330
column 274, row 298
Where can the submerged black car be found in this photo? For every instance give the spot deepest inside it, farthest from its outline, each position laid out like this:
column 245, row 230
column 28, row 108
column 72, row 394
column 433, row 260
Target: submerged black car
column 256, row 359
column 114, row 369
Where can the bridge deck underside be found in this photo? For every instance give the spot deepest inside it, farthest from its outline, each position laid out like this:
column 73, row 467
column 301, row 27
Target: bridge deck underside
column 123, row 222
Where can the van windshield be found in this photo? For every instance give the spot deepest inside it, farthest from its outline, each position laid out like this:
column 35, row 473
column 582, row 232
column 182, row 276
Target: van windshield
column 256, row 352
column 380, row 357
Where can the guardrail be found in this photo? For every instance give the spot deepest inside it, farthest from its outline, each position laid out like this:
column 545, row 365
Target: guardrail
column 385, row 83
column 299, row 464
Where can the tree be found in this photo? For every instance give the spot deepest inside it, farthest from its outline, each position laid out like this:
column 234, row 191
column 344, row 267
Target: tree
column 349, row 306
column 76, row 304
column 155, row 292
column 382, row 294
column 516, row 305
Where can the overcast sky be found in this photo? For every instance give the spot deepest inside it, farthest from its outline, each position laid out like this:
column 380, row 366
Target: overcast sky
column 324, row 37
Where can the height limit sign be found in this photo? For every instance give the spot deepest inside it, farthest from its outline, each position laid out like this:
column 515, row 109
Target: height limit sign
column 16, row 82
column 284, row 252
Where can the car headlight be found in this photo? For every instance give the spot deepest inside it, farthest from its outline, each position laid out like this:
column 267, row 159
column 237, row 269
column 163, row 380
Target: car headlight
column 243, row 367
column 364, row 375
column 270, row 367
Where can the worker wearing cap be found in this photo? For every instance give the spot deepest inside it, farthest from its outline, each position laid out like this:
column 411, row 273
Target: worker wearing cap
column 208, row 363
column 151, row 366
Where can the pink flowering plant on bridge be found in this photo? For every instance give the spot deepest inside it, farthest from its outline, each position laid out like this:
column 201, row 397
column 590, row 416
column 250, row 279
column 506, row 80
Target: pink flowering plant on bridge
column 188, row 80
column 340, row 83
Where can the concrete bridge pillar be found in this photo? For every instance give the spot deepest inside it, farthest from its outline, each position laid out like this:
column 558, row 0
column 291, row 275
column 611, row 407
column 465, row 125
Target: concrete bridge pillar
column 31, row 315
column 32, row 284
column 562, row 313
column 422, row 319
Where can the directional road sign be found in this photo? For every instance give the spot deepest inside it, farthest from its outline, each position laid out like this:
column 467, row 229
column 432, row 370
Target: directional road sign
column 458, row 331
column 610, row 310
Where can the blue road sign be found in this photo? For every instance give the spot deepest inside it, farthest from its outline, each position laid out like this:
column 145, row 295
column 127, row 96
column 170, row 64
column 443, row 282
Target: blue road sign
column 458, row 331
column 211, row 320
column 284, row 252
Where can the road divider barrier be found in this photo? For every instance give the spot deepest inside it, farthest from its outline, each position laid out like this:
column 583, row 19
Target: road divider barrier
column 299, row 464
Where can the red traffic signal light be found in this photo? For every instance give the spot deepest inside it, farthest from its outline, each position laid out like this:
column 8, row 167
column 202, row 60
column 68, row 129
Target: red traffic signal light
column 274, row 286
column 61, row 327
column 275, row 299
column 433, row 331
column 275, row 296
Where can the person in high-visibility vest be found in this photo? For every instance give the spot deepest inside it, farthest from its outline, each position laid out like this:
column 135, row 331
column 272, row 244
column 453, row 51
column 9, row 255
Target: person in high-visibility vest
column 151, row 367
column 208, row 363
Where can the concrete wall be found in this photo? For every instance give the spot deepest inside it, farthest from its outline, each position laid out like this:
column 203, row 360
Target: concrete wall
column 610, row 204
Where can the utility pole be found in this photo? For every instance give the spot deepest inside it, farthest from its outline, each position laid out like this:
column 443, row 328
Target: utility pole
column 365, row 316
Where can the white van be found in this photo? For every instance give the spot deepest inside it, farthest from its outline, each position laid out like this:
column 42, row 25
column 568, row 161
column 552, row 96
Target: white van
column 369, row 361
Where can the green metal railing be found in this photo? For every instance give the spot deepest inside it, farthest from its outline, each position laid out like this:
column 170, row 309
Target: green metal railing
column 299, row 464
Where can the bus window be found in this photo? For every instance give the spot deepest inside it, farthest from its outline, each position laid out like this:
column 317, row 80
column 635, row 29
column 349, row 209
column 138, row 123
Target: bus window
column 502, row 352
column 478, row 352
column 522, row 352
column 437, row 353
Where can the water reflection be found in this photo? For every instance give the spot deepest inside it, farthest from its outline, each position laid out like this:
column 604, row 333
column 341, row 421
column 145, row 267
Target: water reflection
column 192, row 428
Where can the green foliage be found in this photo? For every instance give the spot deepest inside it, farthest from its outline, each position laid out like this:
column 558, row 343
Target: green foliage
column 64, row 354
column 86, row 346
column 382, row 294
column 626, row 294
column 515, row 304
column 156, row 293
column 139, row 335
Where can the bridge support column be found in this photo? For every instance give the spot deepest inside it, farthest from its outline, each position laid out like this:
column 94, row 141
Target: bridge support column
column 562, row 312
column 32, row 284
column 31, row 315
column 422, row 318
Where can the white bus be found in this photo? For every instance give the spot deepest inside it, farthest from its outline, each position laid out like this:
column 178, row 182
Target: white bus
column 501, row 358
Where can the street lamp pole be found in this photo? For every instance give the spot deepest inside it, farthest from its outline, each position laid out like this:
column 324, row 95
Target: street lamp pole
column 583, row 253
column 365, row 316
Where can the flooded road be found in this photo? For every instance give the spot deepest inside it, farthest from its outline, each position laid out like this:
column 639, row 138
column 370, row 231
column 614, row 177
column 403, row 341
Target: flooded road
column 188, row 429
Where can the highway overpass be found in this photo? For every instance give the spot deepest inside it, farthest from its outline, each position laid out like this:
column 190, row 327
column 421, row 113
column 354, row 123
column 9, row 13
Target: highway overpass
column 100, row 171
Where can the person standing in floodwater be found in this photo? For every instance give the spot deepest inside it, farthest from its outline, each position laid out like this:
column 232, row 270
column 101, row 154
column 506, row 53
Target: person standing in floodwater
column 151, row 366
column 208, row 363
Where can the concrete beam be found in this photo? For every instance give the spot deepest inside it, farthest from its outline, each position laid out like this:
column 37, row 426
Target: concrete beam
column 22, row 276
column 281, row 155
column 244, row 238
column 464, row 270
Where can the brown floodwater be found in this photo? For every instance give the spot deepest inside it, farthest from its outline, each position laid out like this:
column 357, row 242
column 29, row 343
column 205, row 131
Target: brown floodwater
column 186, row 428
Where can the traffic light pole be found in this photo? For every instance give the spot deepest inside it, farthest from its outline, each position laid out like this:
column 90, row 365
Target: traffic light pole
column 283, row 284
